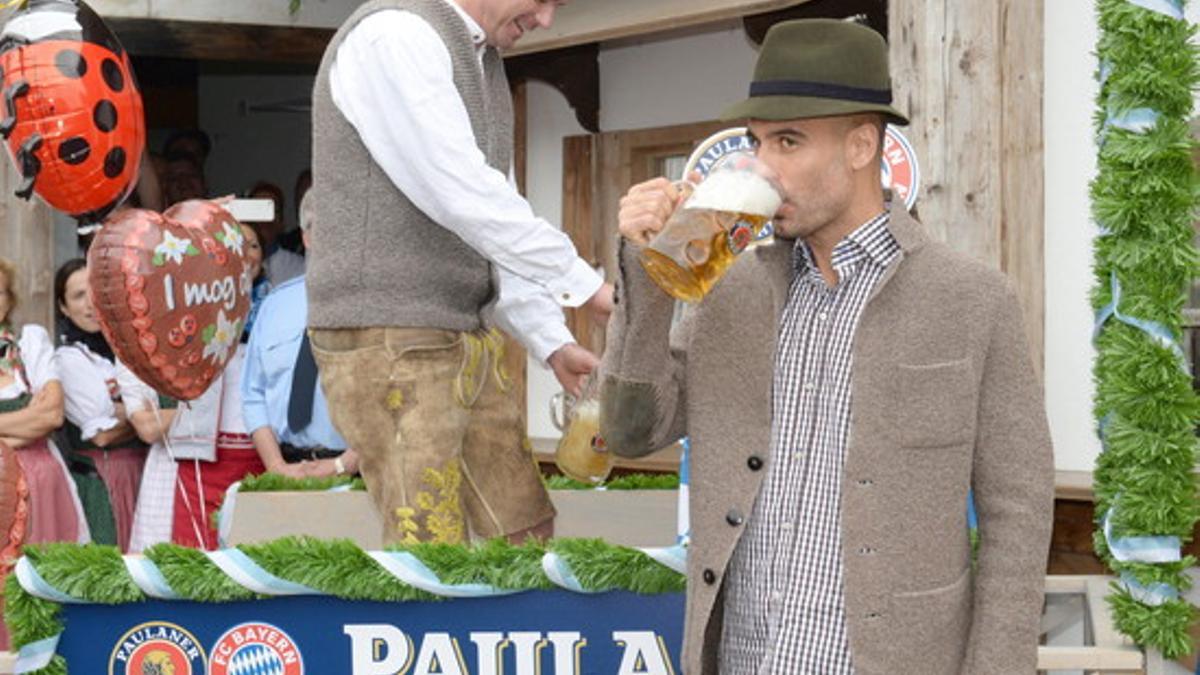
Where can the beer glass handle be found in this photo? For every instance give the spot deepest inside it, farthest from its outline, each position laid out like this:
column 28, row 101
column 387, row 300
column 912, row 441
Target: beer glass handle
column 556, row 410
column 685, row 188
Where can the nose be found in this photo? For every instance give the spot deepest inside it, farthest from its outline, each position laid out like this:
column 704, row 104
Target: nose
column 544, row 16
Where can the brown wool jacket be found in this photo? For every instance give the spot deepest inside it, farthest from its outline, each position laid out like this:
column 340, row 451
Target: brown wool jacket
column 944, row 398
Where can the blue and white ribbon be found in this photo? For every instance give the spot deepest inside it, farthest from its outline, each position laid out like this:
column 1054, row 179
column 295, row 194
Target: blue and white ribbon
column 35, row 585
column 1103, row 425
column 1156, row 331
column 674, row 557
column 683, row 527
column 972, row 515
column 1171, row 8
column 149, row 578
column 1143, row 549
column 249, row 574
column 225, row 515
column 1153, row 595
column 1137, row 120
column 408, row 568
column 558, row 571
column 36, row 655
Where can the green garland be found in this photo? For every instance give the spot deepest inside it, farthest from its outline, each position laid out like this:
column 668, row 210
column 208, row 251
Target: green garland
column 1144, row 198
column 270, row 482
column 273, row 482
column 636, row 481
column 335, row 567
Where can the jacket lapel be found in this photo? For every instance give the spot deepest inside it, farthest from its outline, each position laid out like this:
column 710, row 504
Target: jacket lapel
column 776, row 260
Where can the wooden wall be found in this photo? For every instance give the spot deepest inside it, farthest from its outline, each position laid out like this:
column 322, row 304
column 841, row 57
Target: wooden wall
column 970, row 77
column 27, row 239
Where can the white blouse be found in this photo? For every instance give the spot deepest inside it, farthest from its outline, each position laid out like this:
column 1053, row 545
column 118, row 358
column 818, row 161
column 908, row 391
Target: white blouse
column 89, row 382
column 37, row 356
column 193, row 432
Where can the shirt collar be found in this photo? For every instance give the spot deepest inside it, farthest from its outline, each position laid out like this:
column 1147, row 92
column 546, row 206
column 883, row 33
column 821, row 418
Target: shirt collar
column 478, row 36
column 871, row 241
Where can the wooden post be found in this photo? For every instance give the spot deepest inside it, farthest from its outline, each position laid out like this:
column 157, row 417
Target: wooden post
column 27, row 239
column 970, row 77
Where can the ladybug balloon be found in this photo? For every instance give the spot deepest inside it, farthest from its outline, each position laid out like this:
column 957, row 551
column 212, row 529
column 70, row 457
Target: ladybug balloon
column 71, row 113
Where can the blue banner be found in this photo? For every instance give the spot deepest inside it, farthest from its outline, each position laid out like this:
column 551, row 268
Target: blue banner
column 529, row 633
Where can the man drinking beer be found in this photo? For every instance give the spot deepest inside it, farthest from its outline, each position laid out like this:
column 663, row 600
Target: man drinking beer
column 844, row 387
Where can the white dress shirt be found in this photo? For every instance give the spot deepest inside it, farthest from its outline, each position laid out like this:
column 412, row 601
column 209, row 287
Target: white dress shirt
column 393, row 80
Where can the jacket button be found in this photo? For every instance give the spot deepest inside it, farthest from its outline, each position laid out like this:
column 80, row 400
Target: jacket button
column 755, row 462
column 710, row 577
column 734, row 517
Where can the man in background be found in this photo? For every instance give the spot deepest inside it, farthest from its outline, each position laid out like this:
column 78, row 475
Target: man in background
column 283, row 406
column 422, row 245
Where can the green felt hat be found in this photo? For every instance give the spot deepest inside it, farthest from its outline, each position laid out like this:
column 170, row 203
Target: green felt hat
column 818, row 68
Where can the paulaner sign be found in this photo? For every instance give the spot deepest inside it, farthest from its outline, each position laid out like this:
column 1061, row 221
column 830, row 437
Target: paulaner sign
column 530, row 633
column 383, row 649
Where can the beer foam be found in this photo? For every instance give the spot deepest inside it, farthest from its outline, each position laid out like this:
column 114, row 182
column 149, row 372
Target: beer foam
column 736, row 191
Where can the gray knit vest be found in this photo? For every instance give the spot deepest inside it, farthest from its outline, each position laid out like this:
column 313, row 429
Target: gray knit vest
column 378, row 260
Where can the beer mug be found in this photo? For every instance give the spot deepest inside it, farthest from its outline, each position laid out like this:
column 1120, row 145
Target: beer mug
column 581, row 453
column 716, row 222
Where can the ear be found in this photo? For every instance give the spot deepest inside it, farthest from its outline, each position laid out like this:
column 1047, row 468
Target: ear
column 862, row 146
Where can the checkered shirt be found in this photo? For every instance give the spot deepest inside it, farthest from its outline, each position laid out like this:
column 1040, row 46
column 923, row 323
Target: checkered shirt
column 784, row 598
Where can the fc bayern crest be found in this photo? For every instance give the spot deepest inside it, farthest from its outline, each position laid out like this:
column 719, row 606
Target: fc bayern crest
column 901, row 173
column 254, row 648
column 157, row 648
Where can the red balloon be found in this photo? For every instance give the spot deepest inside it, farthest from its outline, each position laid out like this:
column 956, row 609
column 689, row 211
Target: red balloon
column 14, row 507
column 71, row 112
column 172, row 291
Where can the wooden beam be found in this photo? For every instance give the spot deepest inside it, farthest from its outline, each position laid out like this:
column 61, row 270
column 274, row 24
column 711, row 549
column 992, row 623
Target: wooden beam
column 874, row 13
column 600, row 20
column 574, row 71
column 970, row 76
column 577, row 220
column 221, row 41
column 234, row 30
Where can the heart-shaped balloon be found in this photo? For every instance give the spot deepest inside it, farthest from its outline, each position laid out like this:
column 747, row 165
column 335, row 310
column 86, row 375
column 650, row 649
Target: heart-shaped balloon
column 171, row 292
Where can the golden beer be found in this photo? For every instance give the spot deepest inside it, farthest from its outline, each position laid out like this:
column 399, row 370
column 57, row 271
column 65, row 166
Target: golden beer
column 581, row 453
column 720, row 218
column 719, row 238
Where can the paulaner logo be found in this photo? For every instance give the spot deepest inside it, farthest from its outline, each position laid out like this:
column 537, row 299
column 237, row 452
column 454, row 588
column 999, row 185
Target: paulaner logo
column 157, row 648
column 384, row 649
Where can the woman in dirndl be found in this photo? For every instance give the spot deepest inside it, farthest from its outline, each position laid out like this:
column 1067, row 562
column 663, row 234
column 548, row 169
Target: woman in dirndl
column 198, row 449
column 102, row 451
column 31, row 407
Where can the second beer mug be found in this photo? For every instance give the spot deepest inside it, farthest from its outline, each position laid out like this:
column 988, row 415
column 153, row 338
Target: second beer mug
column 581, row 453
column 720, row 218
